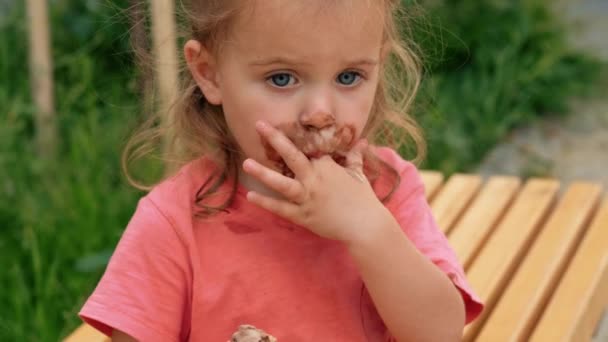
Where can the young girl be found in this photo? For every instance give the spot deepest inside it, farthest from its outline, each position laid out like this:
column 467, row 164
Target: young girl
column 288, row 219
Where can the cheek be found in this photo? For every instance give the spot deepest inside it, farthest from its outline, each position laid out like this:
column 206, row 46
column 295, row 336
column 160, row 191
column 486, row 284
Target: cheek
column 242, row 110
column 246, row 101
column 357, row 111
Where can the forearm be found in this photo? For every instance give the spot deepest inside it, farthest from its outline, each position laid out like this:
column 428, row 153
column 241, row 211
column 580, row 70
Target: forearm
column 415, row 299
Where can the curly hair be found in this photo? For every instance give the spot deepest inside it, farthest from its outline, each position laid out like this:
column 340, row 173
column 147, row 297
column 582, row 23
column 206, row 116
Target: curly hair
column 192, row 117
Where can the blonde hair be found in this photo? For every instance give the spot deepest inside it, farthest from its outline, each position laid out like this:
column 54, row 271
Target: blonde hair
column 198, row 128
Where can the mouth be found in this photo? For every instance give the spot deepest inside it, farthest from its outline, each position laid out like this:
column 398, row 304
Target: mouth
column 331, row 141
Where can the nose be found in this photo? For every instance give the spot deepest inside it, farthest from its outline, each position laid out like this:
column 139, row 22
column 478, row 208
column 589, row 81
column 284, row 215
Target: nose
column 317, row 120
column 319, row 113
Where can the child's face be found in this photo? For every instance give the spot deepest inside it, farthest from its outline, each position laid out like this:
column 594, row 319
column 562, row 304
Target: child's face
column 309, row 68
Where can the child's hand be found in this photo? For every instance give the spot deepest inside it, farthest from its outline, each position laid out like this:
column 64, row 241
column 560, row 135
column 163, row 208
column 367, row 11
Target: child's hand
column 332, row 201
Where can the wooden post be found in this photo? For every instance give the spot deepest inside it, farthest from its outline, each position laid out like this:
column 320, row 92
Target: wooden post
column 41, row 77
column 165, row 47
column 165, row 51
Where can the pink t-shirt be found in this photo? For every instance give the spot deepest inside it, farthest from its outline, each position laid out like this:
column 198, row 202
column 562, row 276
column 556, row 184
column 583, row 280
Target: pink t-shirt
column 174, row 277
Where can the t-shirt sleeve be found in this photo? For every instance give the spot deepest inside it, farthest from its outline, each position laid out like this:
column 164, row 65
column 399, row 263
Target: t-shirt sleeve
column 145, row 289
column 411, row 210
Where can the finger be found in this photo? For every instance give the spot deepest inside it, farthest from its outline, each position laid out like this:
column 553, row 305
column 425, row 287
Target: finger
column 293, row 157
column 354, row 161
column 282, row 208
column 292, row 189
column 354, row 158
column 358, row 175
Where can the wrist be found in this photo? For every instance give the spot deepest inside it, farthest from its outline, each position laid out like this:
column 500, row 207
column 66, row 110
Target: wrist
column 373, row 231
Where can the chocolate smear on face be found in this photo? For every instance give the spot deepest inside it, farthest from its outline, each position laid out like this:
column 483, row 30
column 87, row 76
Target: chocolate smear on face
column 314, row 143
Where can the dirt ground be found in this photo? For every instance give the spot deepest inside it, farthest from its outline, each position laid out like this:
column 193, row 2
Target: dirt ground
column 573, row 147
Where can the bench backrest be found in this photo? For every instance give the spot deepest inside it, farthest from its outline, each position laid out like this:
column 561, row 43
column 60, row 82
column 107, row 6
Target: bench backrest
column 538, row 257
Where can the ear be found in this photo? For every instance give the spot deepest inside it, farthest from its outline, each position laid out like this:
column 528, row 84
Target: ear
column 204, row 70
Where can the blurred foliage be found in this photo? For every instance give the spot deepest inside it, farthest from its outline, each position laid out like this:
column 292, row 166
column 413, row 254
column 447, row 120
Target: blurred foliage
column 491, row 65
column 54, row 214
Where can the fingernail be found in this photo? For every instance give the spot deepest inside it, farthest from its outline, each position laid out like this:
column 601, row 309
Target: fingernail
column 248, row 164
column 261, row 125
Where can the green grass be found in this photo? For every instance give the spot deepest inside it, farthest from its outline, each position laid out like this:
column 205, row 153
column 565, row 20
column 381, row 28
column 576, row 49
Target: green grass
column 493, row 65
column 60, row 219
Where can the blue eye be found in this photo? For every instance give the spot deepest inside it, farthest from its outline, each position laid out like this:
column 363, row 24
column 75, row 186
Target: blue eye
column 349, row 77
column 280, row 80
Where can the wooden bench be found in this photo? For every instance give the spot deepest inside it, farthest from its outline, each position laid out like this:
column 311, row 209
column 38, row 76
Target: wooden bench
column 537, row 254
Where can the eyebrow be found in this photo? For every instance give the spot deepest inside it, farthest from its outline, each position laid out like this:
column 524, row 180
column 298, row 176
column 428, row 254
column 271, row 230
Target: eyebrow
column 281, row 60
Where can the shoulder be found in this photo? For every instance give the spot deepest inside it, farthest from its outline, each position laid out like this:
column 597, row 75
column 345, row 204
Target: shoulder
column 184, row 183
column 152, row 260
column 174, row 198
column 409, row 179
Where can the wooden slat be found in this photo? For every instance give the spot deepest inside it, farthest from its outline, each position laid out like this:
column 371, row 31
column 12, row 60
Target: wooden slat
column 86, row 333
column 523, row 300
column 482, row 216
column 432, row 182
column 453, row 198
column 490, row 271
column 576, row 307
